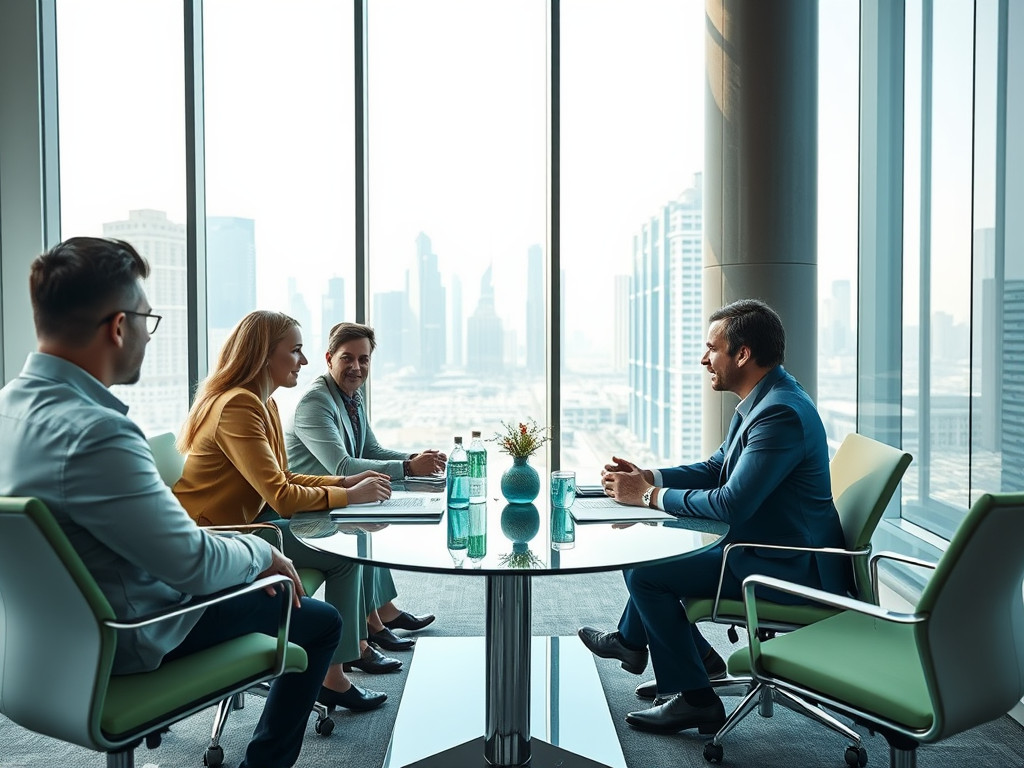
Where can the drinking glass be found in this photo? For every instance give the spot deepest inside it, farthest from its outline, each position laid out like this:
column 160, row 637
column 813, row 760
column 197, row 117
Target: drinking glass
column 563, row 489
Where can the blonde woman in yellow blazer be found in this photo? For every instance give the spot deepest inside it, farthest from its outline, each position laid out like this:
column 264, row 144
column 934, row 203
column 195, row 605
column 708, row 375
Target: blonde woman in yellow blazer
column 236, row 472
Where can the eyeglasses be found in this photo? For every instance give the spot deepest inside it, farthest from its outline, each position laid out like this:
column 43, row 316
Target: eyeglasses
column 152, row 321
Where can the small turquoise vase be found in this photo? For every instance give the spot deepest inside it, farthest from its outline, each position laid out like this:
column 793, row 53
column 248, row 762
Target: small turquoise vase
column 520, row 484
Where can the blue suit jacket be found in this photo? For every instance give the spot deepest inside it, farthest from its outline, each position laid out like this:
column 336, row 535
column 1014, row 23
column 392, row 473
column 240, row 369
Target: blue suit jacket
column 771, row 484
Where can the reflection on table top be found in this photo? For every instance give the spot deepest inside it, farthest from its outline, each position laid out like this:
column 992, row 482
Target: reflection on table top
column 518, row 537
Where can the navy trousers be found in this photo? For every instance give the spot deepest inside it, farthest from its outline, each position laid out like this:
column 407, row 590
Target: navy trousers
column 316, row 627
column 654, row 617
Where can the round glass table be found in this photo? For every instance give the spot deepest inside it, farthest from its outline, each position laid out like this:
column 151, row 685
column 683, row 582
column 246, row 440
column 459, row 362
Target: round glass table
column 508, row 545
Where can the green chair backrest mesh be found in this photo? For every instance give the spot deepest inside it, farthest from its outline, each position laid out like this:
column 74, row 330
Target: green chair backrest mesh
column 57, row 654
column 972, row 644
column 865, row 474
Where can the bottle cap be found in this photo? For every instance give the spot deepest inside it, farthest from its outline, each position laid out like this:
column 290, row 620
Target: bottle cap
column 476, row 433
column 458, row 439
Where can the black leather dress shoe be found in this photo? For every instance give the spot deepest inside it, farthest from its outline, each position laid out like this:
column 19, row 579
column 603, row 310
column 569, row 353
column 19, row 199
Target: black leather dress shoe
column 374, row 662
column 608, row 645
column 714, row 665
column 674, row 714
column 355, row 698
column 389, row 641
column 410, row 622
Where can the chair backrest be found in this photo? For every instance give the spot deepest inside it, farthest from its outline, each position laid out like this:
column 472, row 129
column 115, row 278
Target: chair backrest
column 57, row 654
column 169, row 463
column 972, row 643
column 865, row 474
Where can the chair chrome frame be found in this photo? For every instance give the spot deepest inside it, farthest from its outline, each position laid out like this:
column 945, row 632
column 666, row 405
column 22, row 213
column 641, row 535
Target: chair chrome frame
column 324, row 725
column 760, row 693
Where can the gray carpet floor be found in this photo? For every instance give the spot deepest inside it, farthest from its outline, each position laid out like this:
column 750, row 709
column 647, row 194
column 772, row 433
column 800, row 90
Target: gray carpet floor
column 561, row 604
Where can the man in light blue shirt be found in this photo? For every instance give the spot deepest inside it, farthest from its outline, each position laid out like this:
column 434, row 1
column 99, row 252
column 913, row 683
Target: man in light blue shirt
column 66, row 440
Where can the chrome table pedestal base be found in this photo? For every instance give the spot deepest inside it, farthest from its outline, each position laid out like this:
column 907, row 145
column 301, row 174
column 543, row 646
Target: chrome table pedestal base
column 471, row 755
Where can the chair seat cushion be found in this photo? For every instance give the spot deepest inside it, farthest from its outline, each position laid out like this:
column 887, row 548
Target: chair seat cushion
column 133, row 701
column 731, row 612
column 870, row 664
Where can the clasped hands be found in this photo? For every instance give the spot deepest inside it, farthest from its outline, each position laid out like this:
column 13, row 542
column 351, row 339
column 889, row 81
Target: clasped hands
column 625, row 482
column 426, row 463
column 366, row 487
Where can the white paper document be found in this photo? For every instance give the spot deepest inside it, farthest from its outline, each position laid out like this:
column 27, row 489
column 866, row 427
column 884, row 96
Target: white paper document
column 401, row 504
column 605, row 510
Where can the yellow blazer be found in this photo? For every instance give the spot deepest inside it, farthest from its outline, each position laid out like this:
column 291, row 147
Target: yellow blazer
column 238, row 463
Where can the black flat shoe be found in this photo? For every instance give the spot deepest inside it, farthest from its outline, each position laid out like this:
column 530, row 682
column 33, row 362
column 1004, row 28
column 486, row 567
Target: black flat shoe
column 608, row 645
column 673, row 714
column 374, row 662
column 410, row 622
column 714, row 665
column 389, row 641
column 355, row 698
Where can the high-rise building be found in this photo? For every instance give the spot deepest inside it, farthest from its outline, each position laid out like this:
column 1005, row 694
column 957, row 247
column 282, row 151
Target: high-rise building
column 457, row 323
column 428, row 301
column 840, row 319
column 987, row 341
column 159, row 402
column 620, row 345
column 299, row 309
column 332, row 311
column 393, row 328
column 535, row 313
column 485, row 337
column 230, row 271
column 666, row 329
column 1013, row 387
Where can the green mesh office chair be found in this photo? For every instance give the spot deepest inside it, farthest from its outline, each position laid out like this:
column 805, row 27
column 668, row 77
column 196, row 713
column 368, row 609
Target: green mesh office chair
column 170, row 464
column 60, row 635
column 864, row 474
column 904, row 674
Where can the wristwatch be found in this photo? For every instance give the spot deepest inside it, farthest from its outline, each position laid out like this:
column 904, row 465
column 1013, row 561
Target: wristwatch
column 647, row 496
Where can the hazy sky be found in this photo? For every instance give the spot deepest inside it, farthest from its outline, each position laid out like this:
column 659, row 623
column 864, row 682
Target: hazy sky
column 457, row 134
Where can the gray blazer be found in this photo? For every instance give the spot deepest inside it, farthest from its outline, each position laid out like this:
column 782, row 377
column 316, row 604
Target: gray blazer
column 320, row 440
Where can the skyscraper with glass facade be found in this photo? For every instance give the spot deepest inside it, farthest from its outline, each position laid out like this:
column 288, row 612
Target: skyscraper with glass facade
column 666, row 329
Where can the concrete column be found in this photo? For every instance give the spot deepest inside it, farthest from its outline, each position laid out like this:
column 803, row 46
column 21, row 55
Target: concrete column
column 761, row 175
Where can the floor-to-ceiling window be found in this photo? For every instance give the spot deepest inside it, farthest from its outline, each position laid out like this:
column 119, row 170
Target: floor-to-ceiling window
column 838, row 79
column 457, row 202
column 958, row 294
column 122, row 167
column 632, row 157
column 279, row 167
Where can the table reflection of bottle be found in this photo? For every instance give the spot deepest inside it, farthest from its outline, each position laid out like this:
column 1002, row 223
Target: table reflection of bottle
column 477, row 532
column 458, row 534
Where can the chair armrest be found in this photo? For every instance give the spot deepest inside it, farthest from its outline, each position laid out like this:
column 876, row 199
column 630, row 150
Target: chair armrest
column 223, row 596
column 751, row 583
column 751, row 545
column 249, row 528
column 888, row 555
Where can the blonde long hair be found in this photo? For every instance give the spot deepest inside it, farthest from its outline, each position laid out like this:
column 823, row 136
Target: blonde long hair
column 242, row 360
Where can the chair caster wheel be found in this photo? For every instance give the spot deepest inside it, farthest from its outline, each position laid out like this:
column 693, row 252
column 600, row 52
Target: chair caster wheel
column 713, row 752
column 214, row 757
column 324, row 727
column 856, row 757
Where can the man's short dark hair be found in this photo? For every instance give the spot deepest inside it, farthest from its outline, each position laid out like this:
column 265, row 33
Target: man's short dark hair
column 343, row 333
column 752, row 323
column 78, row 281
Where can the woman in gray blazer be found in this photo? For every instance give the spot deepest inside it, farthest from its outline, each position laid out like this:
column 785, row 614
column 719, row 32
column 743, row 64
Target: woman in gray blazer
column 330, row 433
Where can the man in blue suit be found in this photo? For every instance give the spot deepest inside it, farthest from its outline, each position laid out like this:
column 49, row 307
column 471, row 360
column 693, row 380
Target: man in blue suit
column 769, row 481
